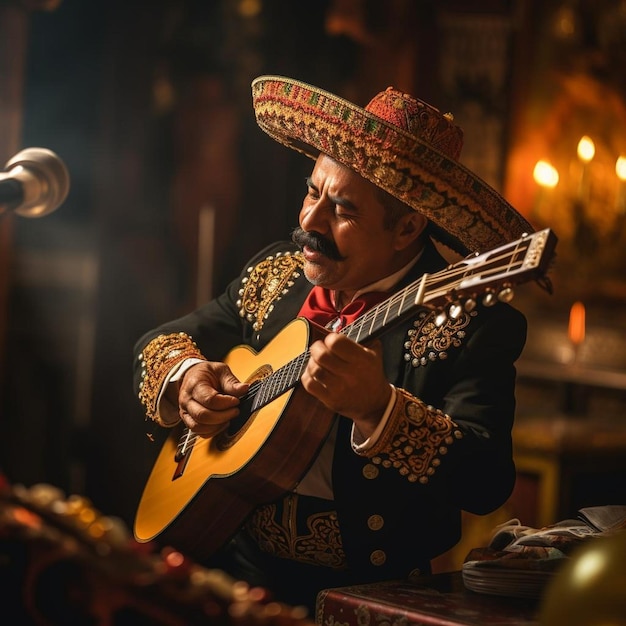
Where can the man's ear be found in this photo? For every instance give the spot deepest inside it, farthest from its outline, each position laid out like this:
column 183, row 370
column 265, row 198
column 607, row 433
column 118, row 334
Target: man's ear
column 409, row 229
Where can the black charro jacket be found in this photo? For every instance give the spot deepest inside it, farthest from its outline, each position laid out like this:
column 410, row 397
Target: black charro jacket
column 447, row 446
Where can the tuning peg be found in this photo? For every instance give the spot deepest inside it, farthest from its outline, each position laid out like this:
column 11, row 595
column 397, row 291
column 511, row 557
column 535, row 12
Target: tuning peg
column 441, row 318
column 455, row 310
column 506, row 294
column 489, row 299
column 469, row 305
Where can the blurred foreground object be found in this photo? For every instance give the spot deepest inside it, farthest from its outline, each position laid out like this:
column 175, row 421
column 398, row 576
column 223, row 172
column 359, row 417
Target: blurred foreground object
column 35, row 183
column 62, row 562
column 590, row 590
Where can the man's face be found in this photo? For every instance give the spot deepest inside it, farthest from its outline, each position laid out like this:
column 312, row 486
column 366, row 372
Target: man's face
column 342, row 210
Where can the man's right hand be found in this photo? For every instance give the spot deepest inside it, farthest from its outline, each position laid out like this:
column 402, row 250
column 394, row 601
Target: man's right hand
column 208, row 397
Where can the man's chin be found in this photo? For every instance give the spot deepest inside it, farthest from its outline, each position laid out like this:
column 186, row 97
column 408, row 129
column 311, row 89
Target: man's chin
column 315, row 274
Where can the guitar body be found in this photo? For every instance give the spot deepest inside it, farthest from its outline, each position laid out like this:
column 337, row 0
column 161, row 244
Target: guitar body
column 196, row 500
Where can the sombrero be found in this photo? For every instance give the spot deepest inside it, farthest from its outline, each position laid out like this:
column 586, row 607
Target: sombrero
column 402, row 145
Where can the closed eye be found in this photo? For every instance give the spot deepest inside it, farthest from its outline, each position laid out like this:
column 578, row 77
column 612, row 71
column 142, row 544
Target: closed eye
column 343, row 208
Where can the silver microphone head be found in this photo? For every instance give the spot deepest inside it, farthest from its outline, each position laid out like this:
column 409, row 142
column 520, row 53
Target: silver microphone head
column 45, row 181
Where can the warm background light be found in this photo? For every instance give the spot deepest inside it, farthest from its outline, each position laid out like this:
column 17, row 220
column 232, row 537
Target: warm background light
column 620, row 168
column 545, row 174
column 586, row 149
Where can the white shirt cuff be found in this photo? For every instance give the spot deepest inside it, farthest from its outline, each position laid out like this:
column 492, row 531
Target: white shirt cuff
column 168, row 411
column 361, row 445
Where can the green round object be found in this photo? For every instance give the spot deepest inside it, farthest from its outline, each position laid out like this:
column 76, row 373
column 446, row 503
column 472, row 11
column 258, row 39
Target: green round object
column 590, row 589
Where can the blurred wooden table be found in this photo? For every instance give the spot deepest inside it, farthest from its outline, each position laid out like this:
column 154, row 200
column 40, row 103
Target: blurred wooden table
column 440, row 600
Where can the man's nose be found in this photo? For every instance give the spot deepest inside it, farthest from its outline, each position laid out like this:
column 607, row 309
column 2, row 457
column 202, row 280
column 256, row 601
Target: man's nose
column 315, row 216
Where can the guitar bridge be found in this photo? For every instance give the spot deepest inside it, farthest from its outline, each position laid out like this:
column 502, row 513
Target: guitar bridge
column 183, row 452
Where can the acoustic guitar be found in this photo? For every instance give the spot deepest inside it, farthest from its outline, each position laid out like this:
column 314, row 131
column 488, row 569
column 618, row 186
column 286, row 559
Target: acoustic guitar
column 200, row 490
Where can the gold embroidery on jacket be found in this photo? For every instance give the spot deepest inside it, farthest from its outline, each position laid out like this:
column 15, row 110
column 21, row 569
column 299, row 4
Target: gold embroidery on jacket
column 415, row 438
column 266, row 283
column 316, row 540
column 433, row 335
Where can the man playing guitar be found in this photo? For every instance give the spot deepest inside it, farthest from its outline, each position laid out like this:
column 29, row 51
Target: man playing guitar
column 310, row 448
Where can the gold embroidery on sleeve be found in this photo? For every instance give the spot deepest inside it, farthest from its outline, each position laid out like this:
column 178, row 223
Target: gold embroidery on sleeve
column 414, row 440
column 157, row 359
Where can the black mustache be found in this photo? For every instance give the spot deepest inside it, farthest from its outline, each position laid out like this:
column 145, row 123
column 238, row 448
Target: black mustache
column 317, row 242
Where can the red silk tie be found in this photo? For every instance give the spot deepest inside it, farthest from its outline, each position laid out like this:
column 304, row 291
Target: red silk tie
column 319, row 308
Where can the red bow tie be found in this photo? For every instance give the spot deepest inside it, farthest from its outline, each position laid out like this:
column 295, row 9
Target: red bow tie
column 319, row 308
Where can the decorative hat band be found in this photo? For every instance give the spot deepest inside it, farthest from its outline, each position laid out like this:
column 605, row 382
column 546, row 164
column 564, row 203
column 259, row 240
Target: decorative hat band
column 401, row 144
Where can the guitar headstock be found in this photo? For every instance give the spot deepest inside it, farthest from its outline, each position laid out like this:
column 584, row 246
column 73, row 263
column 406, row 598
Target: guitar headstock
column 525, row 259
column 490, row 277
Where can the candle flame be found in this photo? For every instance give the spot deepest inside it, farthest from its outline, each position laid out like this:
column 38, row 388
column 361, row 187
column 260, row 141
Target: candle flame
column 586, row 149
column 545, row 174
column 576, row 330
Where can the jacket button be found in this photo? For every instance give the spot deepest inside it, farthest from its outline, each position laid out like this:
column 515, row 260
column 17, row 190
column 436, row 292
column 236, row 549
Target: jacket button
column 370, row 471
column 375, row 522
column 378, row 557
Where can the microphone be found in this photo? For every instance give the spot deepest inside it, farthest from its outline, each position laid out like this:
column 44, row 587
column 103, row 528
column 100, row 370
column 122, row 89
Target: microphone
column 35, row 182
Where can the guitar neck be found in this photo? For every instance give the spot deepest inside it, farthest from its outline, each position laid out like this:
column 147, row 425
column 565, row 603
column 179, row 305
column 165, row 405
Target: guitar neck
column 490, row 275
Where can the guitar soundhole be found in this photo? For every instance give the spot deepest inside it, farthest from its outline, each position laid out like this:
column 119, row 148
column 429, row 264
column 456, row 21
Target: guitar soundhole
column 238, row 426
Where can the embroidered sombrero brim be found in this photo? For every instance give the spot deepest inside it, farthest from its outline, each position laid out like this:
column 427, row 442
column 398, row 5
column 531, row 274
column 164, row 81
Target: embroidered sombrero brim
column 468, row 214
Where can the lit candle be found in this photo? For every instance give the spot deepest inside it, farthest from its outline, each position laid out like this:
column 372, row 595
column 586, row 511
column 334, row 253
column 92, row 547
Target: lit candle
column 620, row 198
column 576, row 330
column 586, row 150
column 575, row 395
column 547, row 177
